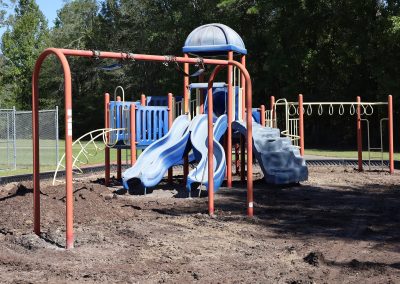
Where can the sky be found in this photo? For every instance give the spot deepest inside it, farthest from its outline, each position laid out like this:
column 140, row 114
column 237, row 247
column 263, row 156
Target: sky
column 49, row 9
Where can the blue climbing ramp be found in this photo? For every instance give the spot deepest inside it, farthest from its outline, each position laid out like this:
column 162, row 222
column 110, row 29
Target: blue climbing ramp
column 279, row 160
column 156, row 159
column 199, row 139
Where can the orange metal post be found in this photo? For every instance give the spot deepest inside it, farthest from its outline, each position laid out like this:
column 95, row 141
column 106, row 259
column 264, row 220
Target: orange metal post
column 242, row 79
column 230, row 119
column 119, row 158
column 143, row 100
column 170, row 170
column 242, row 138
column 107, row 150
column 68, row 143
column 249, row 137
column 185, row 110
column 301, row 124
column 390, row 122
column 262, row 115
column 133, row 133
column 359, row 135
column 272, row 108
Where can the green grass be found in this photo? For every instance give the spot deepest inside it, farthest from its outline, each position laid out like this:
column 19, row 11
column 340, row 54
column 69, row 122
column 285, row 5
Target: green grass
column 48, row 156
column 348, row 154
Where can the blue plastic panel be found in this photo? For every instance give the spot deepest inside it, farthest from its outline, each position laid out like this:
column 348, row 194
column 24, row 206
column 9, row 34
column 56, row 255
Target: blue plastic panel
column 160, row 100
column 151, row 124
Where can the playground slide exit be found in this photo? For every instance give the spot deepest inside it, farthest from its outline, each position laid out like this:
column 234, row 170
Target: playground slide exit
column 156, row 159
column 199, row 138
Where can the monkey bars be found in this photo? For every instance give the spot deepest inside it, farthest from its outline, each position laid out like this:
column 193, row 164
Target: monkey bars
column 62, row 54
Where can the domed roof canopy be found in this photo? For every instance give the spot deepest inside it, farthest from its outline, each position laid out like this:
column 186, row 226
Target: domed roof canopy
column 214, row 39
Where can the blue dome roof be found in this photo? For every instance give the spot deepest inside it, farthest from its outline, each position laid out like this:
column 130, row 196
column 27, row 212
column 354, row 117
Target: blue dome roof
column 213, row 39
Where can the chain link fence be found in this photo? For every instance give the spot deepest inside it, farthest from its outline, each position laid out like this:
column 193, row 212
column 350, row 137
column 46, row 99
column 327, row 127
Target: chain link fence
column 16, row 139
column 7, row 139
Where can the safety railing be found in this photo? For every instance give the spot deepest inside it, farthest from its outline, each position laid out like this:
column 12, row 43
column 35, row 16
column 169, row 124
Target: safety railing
column 151, row 124
column 178, row 108
column 270, row 121
column 291, row 125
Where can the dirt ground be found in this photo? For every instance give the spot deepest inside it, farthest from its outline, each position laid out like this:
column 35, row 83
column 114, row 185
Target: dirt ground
column 339, row 227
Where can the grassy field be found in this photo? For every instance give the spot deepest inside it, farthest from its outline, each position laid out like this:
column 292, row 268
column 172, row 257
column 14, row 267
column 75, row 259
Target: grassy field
column 48, row 155
column 348, row 154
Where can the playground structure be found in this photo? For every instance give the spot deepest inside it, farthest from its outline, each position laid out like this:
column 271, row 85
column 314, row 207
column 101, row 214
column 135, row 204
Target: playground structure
column 62, row 54
column 294, row 113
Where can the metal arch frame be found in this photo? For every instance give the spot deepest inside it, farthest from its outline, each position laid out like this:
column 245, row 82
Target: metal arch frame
column 61, row 55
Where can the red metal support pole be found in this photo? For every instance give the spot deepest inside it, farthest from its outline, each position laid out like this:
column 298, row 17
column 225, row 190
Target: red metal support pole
column 170, row 170
column 230, row 119
column 242, row 138
column 143, row 100
column 272, row 109
column 68, row 143
column 133, row 133
column 119, row 156
column 390, row 127
column 301, row 124
column 107, row 150
column 242, row 79
column 186, row 101
column 249, row 138
column 262, row 115
column 359, row 135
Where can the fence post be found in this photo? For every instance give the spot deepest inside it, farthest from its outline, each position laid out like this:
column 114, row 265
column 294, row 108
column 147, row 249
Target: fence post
column 170, row 170
column 359, row 135
column 14, row 139
column 8, row 138
column 57, row 135
column 107, row 149
column 301, row 125
column 390, row 117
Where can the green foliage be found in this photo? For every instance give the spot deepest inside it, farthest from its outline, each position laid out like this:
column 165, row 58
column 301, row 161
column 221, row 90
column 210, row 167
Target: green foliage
column 25, row 38
column 328, row 50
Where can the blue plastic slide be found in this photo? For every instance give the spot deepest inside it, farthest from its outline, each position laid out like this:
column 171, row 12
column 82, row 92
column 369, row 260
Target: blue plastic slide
column 199, row 138
column 279, row 160
column 156, row 159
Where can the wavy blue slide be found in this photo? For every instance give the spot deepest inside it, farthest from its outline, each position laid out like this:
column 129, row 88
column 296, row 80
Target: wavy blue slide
column 156, row 159
column 198, row 136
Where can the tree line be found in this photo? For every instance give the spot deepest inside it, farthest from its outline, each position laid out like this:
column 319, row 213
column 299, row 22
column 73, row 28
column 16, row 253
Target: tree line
column 328, row 50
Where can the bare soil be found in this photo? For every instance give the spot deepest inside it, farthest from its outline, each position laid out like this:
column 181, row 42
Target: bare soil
column 339, row 227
